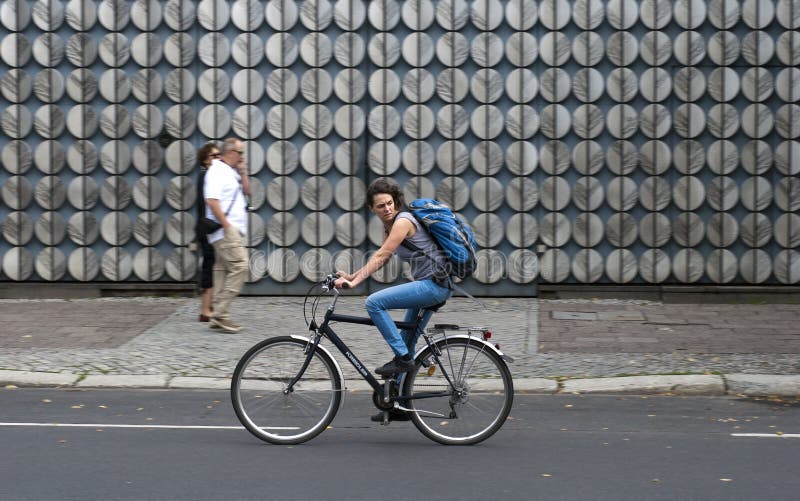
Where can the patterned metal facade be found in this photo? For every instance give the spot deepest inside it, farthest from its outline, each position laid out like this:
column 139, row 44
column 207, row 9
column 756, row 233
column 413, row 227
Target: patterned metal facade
column 586, row 142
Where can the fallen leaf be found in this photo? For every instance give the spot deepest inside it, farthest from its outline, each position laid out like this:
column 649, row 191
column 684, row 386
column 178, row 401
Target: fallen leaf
column 656, row 481
column 77, row 406
column 46, row 401
column 546, row 475
column 10, row 387
column 102, row 407
column 726, row 480
column 568, row 406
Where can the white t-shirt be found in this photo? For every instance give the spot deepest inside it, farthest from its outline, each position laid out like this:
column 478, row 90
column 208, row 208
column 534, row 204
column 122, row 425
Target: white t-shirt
column 223, row 183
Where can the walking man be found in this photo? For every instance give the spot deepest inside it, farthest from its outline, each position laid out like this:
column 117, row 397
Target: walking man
column 226, row 186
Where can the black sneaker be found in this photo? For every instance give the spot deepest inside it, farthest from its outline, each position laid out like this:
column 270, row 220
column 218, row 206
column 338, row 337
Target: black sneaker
column 396, row 366
column 394, row 415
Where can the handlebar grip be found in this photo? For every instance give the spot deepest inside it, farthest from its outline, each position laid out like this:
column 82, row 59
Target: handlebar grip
column 345, row 286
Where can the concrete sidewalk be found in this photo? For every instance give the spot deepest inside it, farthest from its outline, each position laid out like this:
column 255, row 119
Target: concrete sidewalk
column 559, row 346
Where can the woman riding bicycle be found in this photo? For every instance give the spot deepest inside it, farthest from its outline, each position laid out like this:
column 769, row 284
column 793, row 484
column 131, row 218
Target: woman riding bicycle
column 385, row 200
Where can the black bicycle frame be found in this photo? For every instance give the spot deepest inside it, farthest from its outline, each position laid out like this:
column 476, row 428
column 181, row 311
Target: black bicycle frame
column 345, row 350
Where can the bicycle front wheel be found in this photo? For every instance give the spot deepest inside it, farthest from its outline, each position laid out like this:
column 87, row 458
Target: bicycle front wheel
column 472, row 405
column 267, row 410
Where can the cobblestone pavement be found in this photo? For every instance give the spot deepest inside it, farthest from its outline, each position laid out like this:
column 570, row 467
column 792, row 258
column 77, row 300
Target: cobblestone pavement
column 547, row 338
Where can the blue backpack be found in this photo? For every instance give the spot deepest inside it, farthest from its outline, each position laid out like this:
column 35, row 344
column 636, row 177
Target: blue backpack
column 450, row 232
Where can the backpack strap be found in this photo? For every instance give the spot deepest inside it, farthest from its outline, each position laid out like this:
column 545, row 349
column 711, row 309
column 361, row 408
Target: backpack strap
column 442, row 282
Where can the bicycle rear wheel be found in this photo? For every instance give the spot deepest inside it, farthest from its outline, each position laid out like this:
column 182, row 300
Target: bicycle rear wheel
column 259, row 381
column 474, row 406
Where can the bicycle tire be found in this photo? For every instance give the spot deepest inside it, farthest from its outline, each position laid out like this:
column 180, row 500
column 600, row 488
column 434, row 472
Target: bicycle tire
column 483, row 380
column 257, row 391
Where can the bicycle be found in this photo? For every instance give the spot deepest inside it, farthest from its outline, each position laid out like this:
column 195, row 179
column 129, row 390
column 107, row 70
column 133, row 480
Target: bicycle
column 287, row 389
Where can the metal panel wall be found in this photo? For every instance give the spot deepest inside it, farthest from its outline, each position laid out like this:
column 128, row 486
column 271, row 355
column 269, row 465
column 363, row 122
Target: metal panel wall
column 597, row 142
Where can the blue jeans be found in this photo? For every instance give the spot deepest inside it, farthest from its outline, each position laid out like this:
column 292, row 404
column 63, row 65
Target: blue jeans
column 413, row 296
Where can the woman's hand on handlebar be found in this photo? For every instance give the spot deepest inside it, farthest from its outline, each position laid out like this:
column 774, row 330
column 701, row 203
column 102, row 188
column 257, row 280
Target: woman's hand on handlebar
column 342, row 283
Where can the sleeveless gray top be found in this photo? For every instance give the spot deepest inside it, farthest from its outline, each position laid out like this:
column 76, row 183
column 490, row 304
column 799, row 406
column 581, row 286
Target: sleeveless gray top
column 422, row 263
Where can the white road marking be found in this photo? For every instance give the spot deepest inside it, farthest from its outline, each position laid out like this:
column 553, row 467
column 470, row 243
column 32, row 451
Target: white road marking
column 145, row 426
column 767, row 435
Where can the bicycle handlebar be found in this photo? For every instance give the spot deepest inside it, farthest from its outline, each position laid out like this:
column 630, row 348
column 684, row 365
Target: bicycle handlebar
column 327, row 283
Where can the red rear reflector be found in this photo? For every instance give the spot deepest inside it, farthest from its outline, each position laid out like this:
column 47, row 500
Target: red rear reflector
column 487, row 335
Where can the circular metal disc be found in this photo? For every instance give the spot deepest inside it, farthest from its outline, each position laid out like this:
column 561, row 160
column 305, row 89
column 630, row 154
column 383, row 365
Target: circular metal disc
column 16, row 157
column 146, row 50
column 487, row 158
column 282, row 121
column 418, row 158
column 347, row 158
column 350, row 193
column 787, row 230
column 454, row 192
column 349, row 121
column 384, row 158
column 50, row 228
column 621, row 229
column 214, row 49
column 755, row 230
column 621, row 266
column 722, row 230
column 587, row 193
column 487, row 194
column 487, row 49
column 724, row 48
column 488, row 229
column 787, row 266
column 282, row 157
column 282, row 85
column 49, row 157
column 587, row 230
column 654, row 266
column 722, row 266
column 115, row 193
column 179, row 15
column 317, row 229
column 553, row 49
column 755, row 266
column 521, row 158
column 554, row 229
column 554, row 266
column 655, row 48
column 49, row 49
column 316, row 193
column 114, row 50
column 349, row 49
column 452, row 157
column 622, row 193
column 655, row 229
column 522, row 194
column 351, row 230
column 281, row 15
column 316, row 49
column 15, row 49
column 316, row 157
column 452, row 49
column 688, row 229
column 213, row 15
column 655, row 193
column 384, row 49
column 554, row 193
column 418, row 49
column 588, row 14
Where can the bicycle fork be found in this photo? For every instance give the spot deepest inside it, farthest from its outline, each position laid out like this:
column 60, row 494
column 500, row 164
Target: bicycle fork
column 311, row 347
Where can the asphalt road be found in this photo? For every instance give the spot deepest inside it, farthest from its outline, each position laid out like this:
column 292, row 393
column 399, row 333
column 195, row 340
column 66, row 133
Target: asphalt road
column 175, row 445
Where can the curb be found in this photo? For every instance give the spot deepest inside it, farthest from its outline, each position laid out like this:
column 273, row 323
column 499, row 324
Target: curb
column 708, row 385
